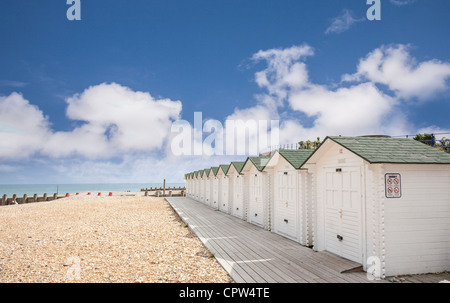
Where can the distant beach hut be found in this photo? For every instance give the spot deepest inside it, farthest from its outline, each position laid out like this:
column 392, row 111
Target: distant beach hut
column 189, row 185
column 196, row 186
column 207, row 182
column 214, row 187
column 201, row 186
column 383, row 203
column 256, row 185
column 236, row 192
column 289, row 188
column 223, row 192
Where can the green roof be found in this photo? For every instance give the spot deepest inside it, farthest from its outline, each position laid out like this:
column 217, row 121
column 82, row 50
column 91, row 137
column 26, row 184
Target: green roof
column 225, row 168
column 393, row 150
column 296, row 157
column 215, row 170
column 238, row 165
column 207, row 171
column 258, row 162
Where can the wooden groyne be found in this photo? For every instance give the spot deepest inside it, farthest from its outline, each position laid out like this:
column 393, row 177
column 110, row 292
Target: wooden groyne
column 165, row 192
column 28, row 199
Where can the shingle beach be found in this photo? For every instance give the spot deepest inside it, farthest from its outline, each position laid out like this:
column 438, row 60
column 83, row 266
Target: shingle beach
column 91, row 239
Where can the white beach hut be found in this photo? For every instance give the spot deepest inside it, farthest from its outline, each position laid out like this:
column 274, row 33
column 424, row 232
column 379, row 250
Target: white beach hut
column 383, row 203
column 289, row 193
column 187, row 185
column 192, row 185
column 214, row 187
column 236, row 193
column 223, row 192
column 201, row 186
column 197, row 185
column 257, row 183
column 207, row 182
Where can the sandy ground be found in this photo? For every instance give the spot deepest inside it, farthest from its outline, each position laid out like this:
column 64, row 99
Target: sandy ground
column 90, row 239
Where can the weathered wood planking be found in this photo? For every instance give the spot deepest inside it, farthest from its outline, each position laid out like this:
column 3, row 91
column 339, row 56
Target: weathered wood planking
column 252, row 254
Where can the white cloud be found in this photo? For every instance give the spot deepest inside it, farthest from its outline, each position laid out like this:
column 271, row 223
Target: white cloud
column 116, row 121
column 393, row 66
column 358, row 109
column 13, row 83
column 342, row 23
column 23, row 127
column 283, row 70
column 402, row 2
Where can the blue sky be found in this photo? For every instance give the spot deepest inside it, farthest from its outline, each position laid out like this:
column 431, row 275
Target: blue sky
column 93, row 100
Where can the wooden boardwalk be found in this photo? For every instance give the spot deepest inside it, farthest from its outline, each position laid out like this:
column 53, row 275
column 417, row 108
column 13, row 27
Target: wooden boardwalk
column 252, row 254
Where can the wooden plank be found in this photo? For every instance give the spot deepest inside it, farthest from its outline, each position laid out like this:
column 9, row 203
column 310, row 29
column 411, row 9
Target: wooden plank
column 313, row 278
column 236, row 273
column 241, row 254
column 253, row 254
column 274, row 264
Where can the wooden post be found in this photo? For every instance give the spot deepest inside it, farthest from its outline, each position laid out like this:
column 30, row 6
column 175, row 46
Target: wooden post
column 164, row 189
column 25, row 198
column 146, row 192
column 5, row 197
column 55, row 196
column 35, row 198
column 45, row 197
column 170, row 193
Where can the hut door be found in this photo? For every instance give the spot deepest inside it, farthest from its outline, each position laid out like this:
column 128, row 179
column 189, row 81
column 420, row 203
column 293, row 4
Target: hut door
column 215, row 195
column 238, row 200
column 256, row 207
column 286, row 204
column 224, row 199
column 343, row 227
column 207, row 191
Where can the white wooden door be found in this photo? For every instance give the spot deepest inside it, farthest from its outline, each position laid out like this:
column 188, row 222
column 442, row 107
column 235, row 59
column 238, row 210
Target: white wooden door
column 238, row 197
column 286, row 208
column 215, row 195
column 256, row 203
column 343, row 223
column 224, row 195
column 207, row 191
column 202, row 190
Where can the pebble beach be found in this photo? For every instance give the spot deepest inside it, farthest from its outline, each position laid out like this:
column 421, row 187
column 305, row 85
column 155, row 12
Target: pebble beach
column 100, row 239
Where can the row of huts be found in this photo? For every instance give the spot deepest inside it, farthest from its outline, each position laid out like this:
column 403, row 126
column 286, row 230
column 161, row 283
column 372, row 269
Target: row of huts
column 381, row 202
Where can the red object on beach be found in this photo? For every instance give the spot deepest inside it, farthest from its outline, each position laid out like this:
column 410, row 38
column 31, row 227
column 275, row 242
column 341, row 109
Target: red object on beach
column 67, row 194
column 99, row 194
column 110, row 194
column 89, row 193
column 77, row 194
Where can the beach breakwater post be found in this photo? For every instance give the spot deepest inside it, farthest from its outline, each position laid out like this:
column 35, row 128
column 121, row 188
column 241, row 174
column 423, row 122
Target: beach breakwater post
column 4, row 200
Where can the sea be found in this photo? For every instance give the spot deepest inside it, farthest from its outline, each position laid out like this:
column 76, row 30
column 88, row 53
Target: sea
column 60, row 189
